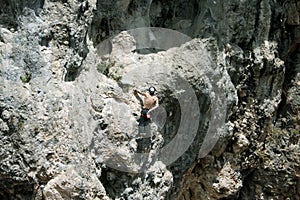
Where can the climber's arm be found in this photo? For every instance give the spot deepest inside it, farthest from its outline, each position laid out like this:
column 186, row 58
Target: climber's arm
column 139, row 92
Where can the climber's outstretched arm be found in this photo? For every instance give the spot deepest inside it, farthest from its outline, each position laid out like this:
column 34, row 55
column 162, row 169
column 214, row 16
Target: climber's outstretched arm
column 139, row 92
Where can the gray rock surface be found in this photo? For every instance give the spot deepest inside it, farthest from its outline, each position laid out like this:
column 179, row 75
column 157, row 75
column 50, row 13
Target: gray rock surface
column 228, row 86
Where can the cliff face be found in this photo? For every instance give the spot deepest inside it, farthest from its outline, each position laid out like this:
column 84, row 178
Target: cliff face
column 227, row 75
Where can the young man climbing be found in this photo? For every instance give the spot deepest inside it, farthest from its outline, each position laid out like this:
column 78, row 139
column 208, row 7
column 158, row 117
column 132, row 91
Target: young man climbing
column 150, row 103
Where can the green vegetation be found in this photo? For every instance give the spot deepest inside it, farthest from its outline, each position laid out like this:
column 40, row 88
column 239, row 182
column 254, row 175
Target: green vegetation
column 262, row 155
column 104, row 66
column 109, row 69
column 20, row 124
column 276, row 132
column 25, row 77
column 294, row 132
column 115, row 77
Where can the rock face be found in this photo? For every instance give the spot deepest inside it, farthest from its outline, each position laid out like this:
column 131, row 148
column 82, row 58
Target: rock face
column 227, row 75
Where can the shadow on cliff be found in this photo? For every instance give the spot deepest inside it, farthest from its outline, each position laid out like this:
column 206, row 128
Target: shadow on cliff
column 11, row 9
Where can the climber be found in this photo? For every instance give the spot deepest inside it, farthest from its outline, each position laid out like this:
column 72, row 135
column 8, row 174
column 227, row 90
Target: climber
column 149, row 104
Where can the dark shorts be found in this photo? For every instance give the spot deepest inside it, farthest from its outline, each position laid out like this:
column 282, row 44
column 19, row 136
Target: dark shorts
column 144, row 121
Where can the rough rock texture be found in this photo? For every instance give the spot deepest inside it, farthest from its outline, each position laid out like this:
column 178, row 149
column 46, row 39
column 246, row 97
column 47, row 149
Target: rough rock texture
column 68, row 113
